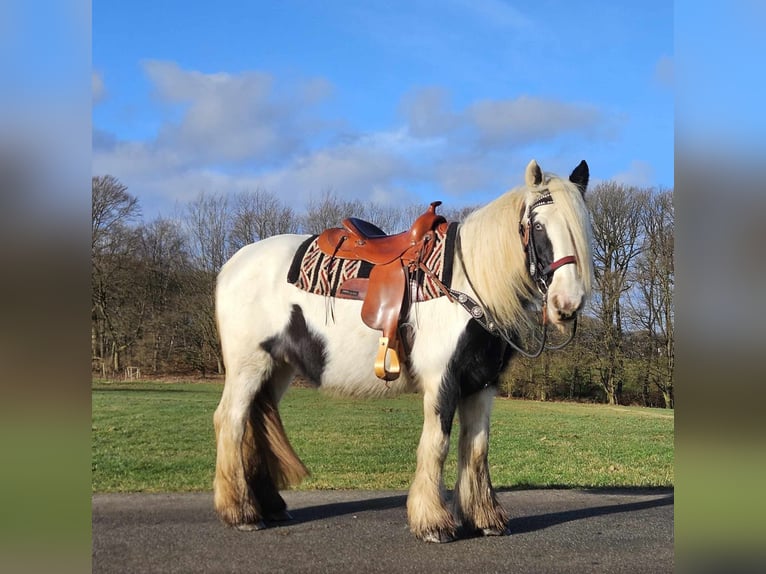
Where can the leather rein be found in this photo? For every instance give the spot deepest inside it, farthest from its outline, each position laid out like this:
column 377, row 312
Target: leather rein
column 541, row 276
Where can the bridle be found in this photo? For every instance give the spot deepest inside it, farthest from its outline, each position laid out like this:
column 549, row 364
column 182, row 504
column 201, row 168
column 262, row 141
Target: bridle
column 541, row 276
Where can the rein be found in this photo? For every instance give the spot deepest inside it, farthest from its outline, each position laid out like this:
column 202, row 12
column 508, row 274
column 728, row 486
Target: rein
column 540, row 275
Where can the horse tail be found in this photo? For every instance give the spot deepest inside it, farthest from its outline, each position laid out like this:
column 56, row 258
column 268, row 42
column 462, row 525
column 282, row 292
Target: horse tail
column 266, row 445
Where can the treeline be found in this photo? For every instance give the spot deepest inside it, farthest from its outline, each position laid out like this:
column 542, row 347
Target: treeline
column 153, row 284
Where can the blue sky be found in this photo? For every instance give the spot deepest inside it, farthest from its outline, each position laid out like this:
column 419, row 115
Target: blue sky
column 385, row 100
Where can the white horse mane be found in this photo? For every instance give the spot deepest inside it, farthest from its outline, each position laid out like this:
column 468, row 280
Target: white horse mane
column 494, row 255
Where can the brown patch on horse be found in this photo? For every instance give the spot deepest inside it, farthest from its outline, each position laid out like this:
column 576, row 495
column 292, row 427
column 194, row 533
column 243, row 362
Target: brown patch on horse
column 269, row 456
column 233, row 497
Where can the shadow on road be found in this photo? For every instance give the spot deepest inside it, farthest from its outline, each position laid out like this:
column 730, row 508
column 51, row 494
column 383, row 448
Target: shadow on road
column 543, row 521
column 518, row 525
column 333, row 510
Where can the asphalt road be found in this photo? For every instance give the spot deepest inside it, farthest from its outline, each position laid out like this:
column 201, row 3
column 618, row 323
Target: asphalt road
column 553, row 531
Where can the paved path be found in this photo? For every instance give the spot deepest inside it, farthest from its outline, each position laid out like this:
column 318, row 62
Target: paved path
column 554, row 531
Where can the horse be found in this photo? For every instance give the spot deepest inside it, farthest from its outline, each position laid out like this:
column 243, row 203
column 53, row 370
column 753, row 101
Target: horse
column 527, row 249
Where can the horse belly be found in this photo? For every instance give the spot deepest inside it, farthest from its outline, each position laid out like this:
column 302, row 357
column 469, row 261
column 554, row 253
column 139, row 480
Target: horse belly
column 350, row 348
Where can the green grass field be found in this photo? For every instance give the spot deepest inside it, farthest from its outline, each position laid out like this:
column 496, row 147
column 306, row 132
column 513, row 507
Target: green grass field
column 158, row 437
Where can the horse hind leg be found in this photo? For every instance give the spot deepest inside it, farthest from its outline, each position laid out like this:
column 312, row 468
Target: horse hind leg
column 476, row 505
column 271, row 464
column 234, row 500
column 254, row 459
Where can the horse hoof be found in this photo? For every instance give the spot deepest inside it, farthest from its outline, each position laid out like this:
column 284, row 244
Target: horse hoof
column 438, row 537
column 250, row 526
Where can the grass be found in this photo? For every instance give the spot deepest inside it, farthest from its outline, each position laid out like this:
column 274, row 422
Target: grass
column 158, row 437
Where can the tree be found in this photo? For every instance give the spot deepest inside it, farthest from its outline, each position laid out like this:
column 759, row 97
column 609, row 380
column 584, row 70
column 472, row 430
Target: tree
column 258, row 215
column 458, row 214
column 112, row 207
column 652, row 296
column 164, row 263
column 390, row 218
column 117, row 314
column 616, row 211
column 330, row 211
column 207, row 223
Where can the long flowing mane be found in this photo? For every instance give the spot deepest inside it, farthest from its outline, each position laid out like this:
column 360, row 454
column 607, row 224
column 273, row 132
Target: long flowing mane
column 493, row 253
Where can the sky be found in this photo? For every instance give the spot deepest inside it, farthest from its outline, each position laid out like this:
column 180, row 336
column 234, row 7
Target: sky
column 389, row 101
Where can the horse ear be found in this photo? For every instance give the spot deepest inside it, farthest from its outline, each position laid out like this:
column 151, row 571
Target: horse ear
column 580, row 176
column 533, row 175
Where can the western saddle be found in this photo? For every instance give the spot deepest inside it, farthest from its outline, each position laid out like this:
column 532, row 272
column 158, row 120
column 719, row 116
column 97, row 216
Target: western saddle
column 393, row 258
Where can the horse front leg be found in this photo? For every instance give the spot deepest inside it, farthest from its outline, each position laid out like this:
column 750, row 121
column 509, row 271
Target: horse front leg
column 476, row 504
column 429, row 518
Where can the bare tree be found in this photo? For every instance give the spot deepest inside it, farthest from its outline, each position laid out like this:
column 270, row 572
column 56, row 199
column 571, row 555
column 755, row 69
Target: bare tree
column 117, row 314
column 652, row 296
column 390, row 218
column 258, row 215
column 207, row 222
column 458, row 213
column 329, row 211
column 164, row 261
column 617, row 229
column 112, row 207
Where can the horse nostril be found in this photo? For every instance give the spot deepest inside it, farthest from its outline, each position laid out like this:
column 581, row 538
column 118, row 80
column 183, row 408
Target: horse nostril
column 565, row 307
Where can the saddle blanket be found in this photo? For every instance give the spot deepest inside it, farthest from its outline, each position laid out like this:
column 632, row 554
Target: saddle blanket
column 318, row 273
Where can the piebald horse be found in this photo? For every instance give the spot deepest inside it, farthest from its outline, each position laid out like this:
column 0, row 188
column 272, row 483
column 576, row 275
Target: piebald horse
column 271, row 329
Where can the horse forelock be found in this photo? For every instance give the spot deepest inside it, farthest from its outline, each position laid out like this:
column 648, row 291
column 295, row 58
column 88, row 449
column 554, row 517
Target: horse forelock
column 494, row 254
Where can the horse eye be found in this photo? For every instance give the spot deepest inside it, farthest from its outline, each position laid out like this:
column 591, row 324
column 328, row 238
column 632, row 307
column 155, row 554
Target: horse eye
column 538, row 226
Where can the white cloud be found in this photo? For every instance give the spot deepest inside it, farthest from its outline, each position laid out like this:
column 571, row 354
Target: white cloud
column 352, row 171
column 427, row 114
column 97, row 88
column 501, row 125
column 232, row 117
column 639, row 173
column 229, row 132
column 356, row 170
column 459, row 175
column 527, row 120
column 136, row 159
column 664, row 72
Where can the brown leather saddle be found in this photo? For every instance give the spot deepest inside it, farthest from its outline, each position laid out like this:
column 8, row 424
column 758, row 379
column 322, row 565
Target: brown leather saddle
column 394, row 258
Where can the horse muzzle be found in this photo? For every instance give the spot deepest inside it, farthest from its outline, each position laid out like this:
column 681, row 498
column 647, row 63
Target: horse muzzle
column 563, row 308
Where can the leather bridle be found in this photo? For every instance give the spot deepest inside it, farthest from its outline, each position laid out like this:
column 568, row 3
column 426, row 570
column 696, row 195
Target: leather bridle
column 541, row 275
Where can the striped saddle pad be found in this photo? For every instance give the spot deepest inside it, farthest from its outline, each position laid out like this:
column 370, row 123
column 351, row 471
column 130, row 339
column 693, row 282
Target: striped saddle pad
column 315, row 272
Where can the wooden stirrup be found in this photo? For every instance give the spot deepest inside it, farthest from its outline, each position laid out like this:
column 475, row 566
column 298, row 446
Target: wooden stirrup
column 387, row 365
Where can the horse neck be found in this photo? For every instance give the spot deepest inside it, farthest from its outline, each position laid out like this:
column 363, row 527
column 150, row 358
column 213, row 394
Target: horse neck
column 494, row 258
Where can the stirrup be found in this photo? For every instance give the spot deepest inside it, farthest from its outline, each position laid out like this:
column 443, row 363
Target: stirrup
column 386, row 362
